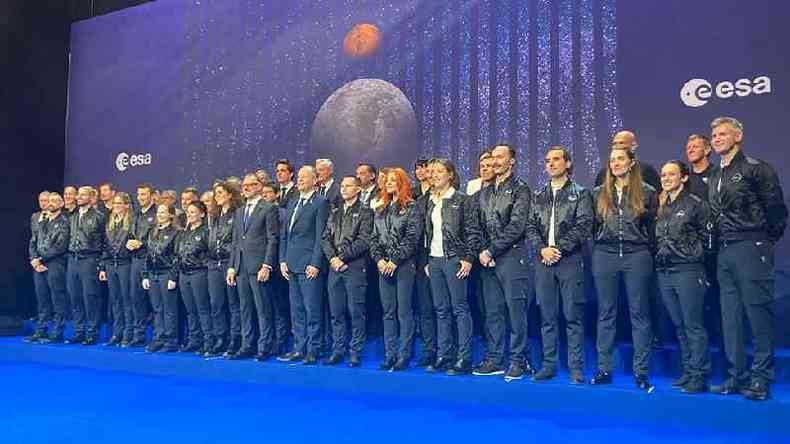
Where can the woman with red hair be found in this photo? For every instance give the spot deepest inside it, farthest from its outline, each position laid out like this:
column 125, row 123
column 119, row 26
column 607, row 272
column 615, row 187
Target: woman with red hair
column 397, row 230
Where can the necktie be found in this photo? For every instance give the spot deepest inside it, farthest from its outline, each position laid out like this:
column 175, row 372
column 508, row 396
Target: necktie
column 296, row 210
column 323, row 190
column 247, row 214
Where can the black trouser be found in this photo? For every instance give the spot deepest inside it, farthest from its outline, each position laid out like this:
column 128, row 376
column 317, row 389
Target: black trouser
column 306, row 307
column 683, row 293
column 746, row 282
column 82, row 282
column 51, row 297
column 396, row 303
column 255, row 298
column 451, row 301
column 118, row 282
column 139, row 299
column 427, row 320
column 563, row 283
column 164, row 302
column 347, row 295
column 219, row 300
column 636, row 271
column 194, row 293
column 505, row 295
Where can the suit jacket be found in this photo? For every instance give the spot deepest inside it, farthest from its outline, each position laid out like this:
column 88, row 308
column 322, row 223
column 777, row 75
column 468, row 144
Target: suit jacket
column 300, row 245
column 374, row 193
column 332, row 195
column 257, row 245
column 347, row 236
column 288, row 197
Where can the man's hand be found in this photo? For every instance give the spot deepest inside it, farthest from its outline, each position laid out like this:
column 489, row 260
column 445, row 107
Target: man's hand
column 550, row 255
column 171, row 285
column 230, row 277
column 382, row 266
column 41, row 268
column 463, row 272
column 311, row 272
column 103, row 276
column 485, row 258
column 264, row 273
column 284, row 271
column 391, row 267
column 35, row 262
column 146, row 284
column 336, row 263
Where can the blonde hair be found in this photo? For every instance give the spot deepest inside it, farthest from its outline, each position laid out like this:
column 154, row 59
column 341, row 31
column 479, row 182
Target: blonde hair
column 126, row 221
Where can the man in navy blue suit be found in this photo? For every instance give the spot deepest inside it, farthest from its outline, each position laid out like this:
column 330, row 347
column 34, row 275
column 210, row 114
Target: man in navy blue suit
column 302, row 263
column 253, row 256
column 327, row 185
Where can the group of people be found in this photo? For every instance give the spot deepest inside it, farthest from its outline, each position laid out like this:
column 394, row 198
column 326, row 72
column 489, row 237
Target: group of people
column 254, row 261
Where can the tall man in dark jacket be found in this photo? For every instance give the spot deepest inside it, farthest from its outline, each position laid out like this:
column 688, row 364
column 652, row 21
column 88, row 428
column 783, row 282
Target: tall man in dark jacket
column 253, row 258
column 560, row 223
column 346, row 244
column 302, row 263
column 144, row 220
column 749, row 215
column 503, row 212
column 86, row 242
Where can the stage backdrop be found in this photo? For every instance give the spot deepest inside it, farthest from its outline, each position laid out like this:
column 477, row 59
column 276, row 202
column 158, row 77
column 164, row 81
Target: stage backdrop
column 179, row 92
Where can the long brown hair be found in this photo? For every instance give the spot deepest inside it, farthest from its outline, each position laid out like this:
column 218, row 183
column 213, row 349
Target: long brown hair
column 404, row 190
column 235, row 195
column 126, row 222
column 663, row 198
column 636, row 196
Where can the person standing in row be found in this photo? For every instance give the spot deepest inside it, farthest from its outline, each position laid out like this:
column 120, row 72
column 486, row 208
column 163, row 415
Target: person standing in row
column 49, row 246
column 503, row 210
column 37, row 221
column 143, row 222
column 222, row 296
column 560, row 223
column 302, row 264
column 681, row 236
column 624, row 236
column 397, row 230
column 749, row 214
column 253, row 256
column 192, row 252
column 451, row 233
column 160, row 274
column 346, row 244
column 86, row 243
column 115, row 269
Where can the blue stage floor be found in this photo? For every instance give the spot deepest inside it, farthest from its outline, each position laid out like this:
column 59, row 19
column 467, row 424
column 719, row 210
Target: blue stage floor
column 65, row 394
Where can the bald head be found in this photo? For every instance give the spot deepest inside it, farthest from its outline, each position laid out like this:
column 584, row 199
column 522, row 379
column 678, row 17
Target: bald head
column 625, row 139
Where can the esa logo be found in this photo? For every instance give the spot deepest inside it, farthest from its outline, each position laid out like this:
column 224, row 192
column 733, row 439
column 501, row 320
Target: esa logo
column 125, row 161
column 697, row 92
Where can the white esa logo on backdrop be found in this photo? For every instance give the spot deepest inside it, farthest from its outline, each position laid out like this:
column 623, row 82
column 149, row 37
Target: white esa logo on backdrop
column 697, row 92
column 124, row 161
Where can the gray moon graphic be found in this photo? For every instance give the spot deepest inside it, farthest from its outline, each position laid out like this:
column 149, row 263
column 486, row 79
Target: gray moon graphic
column 366, row 120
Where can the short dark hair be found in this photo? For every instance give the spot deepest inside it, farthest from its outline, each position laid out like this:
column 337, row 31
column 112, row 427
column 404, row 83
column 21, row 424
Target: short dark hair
column 200, row 206
column 484, row 154
column 357, row 182
column 269, row 185
column 146, row 186
column 370, row 167
column 565, row 155
column 107, row 184
column 421, row 161
column 510, row 149
column 191, row 190
column 285, row 162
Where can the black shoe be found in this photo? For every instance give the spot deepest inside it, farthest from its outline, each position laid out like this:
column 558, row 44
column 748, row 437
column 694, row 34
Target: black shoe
column 514, row 372
column 400, row 364
column 601, row 377
column 729, row 387
column 544, row 374
column 387, row 364
column 643, row 383
column 441, row 365
column 154, row 347
column 577, row 377
column 694, row 386
column 461, row 367
column 76, row 340
column 204, row 350
column 220, row 346
column 90, row 341
column 168, row 349
column 35, row 338
column 681, row 381
column 426, row 360
column 354, row 360
column 757, row 391
column 233, row 346
column 115, row 340
column 52, row 339
column 137, row 343
column 309, row 359
column 262, row 357
column 488, row 368
column 335, row 359
column 125, row 343
column 191, row 347
column 239, row 355
column 292, row 356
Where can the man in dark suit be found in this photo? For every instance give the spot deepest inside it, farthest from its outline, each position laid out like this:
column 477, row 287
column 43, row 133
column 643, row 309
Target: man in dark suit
column 286, row 190
column 346, row 244
column 253, row 256
column 366, row 174
column 301, row 263
column 422, row 178
column 327, row 185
